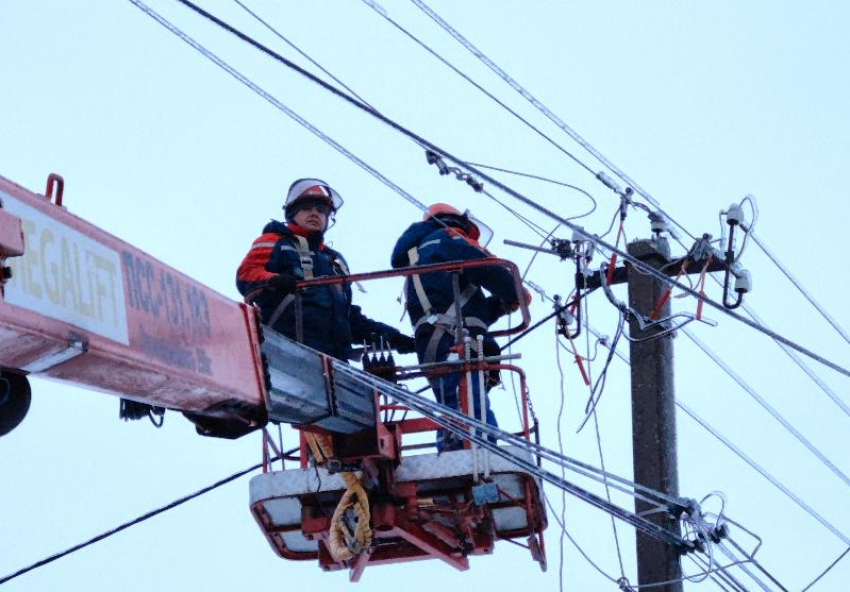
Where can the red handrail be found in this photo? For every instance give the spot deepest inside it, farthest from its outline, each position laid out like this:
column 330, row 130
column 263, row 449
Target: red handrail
column 423, row 269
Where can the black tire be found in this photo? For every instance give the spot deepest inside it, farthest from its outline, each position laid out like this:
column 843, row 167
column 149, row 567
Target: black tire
column 15, row 397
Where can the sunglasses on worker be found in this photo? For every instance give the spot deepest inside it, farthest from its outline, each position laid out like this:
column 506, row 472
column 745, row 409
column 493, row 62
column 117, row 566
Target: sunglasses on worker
column 320, row 206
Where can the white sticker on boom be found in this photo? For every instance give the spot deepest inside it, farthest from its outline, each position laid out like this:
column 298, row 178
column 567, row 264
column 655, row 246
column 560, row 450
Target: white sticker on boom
column 66, row 275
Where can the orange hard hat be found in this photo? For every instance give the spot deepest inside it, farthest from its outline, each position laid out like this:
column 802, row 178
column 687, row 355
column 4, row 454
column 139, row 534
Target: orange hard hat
column 475, row 229
column 441, row 209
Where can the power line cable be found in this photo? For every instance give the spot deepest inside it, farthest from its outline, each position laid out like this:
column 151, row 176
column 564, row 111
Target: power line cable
column 767, row 407
column 381, row 11
column 721, row 578
column 705, row 425
column 398, row 127
column 547, row 180
column 559, row 432
column 459, row 423
column 278, row 34
column 302, row 53
column 585, row 310
column 139, row 520
column 789, row 352
column 575, row 543
column 543, row 109
column 824, row 572
column 753, row 560
column 502, row 74
column 802, row 289
column 608, row 495
column 764, row 473
column 802, row 365
column 743, row 456
column 750, row 231
column 274, row 101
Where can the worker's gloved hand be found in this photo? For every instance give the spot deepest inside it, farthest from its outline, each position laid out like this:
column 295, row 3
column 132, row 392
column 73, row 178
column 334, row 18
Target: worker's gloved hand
column 284, row 283
column 404, row 344
column 526, row 295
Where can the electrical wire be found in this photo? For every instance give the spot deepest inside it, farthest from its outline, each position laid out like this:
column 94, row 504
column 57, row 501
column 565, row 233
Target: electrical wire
column 764, row 473
column 824, row 572
column 802, row 289
column 802, row 365
column 775, row 482
column 746, row 570
column 575, row 543
column 302, row 53
column 381, row 11
column 792, row 354
column 807, row 354
column 271, row 99
column 131, row 0
column 586, row 312
column 599, row 385
column 725, row 577
column 422, row 141
column 482, row 433
column 551, row 315
column 767, row 407
column 544, row 110
column 546, row 180
column 277, row 33
column 740, row 454
column 559, row 432
column 752, row 560
column 533, row 226
column 608, row 494
column 138, row 520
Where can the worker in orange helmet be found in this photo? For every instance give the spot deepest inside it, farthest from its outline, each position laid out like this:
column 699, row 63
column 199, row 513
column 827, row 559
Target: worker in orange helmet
column 289, row 252
column 446, row 234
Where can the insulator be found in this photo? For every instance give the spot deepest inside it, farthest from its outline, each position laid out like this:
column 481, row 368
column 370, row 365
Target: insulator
column 658, row 222
column 734, row 215
column 744, row 282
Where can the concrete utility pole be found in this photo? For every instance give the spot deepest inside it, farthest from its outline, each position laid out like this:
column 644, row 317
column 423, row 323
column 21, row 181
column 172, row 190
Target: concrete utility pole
column 653, row 415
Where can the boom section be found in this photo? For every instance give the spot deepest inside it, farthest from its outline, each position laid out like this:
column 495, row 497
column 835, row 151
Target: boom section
column 82, row 306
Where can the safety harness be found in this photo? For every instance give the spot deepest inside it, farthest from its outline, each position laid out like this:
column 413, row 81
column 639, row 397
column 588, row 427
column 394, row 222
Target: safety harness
column 305, row 259
column 443, row 322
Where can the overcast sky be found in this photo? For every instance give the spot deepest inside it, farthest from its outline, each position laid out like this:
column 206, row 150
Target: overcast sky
column 701, row 103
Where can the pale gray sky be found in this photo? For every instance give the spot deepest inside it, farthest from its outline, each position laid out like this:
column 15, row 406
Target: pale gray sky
column 700, row 103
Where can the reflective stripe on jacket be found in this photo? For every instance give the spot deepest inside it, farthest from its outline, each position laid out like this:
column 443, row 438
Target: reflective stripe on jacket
column 331, row 323
column 433, row 243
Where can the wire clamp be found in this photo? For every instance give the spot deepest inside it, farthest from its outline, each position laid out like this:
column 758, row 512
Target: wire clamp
column 460, row 174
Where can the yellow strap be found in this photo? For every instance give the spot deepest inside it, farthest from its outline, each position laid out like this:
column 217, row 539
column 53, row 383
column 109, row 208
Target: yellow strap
column 342, row 543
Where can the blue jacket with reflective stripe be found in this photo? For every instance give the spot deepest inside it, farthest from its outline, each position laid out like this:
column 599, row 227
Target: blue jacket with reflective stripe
column 331, row 322
column 436, row 244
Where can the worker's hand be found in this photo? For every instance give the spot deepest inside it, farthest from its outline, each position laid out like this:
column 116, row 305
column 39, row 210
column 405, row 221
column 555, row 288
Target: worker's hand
column 284, row 283
column 404, row 344
column 526, row 295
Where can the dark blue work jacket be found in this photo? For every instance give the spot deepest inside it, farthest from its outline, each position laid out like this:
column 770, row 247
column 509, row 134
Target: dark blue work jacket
column 331, row 323
column 436, row 244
